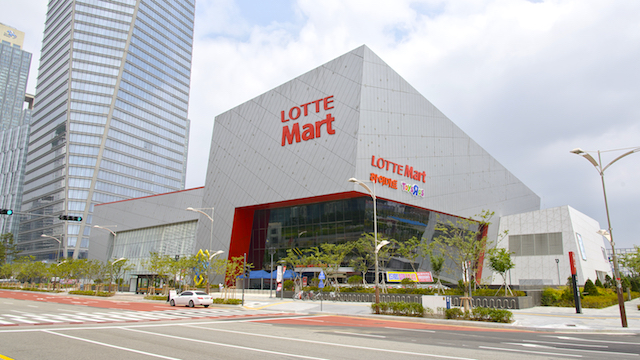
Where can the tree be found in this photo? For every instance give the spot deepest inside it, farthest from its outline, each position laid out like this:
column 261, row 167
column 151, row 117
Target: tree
column 463, row 244
column 410, row 249
column 235, row 268
column 631, row 261
column 301, row 259
column 333, row 255
column 115, row 268
column 364, row 253
column 437, row 263
column 157, row 265
column 364, row 256
column 500, row 261
column 8, row 248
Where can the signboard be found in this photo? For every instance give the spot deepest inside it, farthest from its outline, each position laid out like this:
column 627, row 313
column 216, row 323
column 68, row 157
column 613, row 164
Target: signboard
column 321, row 276
column 304, row 281
column 572, row 262
column 425, row 277
column 321, row 284
column 397, row 276
column 279, row 274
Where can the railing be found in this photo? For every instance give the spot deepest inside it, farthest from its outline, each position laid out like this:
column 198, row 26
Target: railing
column 498, row 302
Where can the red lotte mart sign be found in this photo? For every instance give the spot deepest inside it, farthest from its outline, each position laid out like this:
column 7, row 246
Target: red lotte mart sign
column 291, row 132
column 406, row 171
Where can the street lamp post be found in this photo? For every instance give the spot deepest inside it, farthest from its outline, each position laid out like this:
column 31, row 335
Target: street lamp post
column 59, row 245
column 209, row 268
column 111, row 245
column 601, row 169
column 272, row 250
column 375, row 230
column 209, row 217
column 118, row 273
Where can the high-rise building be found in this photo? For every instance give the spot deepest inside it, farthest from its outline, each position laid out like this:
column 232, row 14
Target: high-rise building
column 15, row 115
column 14, row 72
column 110, row 118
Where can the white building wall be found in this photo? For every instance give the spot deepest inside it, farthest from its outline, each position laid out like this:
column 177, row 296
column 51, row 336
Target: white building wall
column 542, row 269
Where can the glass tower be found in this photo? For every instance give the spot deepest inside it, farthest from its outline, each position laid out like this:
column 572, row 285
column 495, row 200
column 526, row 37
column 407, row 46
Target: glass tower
column 110, row 118
column 14, row 72
column 14, row 122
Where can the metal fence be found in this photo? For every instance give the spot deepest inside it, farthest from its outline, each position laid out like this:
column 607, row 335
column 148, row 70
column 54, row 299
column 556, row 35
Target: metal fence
column 498, row 302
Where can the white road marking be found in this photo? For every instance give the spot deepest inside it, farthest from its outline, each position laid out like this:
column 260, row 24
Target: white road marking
column 115, row 316
column 111, row 346
column 418, row 330
column 359, row 334
column 570, row 344
column 590, row 340
column 225, row 345
column 528, row 351
column 320, row 342
column 568, row 349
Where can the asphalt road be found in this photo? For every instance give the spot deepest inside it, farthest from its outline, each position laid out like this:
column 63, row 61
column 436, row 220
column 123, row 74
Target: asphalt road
column 236, row 333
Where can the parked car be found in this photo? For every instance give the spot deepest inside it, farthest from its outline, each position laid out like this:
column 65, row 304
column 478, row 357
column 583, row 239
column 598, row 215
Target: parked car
column 192, row 298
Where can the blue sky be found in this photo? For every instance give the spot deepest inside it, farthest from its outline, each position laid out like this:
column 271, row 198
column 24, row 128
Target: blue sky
column 527, row 80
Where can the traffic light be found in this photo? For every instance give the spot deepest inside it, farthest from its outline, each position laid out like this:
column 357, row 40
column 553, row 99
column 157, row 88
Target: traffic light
column 6, row 211
column 70, row 218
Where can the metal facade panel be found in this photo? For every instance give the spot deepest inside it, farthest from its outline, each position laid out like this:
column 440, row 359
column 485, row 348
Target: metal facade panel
column 377, row 115
column 248, row 170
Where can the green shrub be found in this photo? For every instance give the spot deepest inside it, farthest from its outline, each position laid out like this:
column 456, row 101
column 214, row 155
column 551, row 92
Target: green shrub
column 608, row 282
column 408, row 283
column 288, row 284
column 453, row 313
column 598, row 302
column 227, row 301
column 500, row 315
column 550, row 297
column 590, row 289
column 93, row 293
column 232, row 301
column 481, row 314
column 599, row 283
column 354, row 280
column 398, row 308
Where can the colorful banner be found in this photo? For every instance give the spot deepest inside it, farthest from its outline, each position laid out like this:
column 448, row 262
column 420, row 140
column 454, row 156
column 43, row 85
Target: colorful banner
column 397, row 276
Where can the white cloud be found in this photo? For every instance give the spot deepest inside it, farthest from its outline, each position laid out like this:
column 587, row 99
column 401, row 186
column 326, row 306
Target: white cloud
column 528, row 81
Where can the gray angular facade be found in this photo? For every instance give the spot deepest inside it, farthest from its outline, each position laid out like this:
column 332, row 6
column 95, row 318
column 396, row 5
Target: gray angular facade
column 291, row 151
column 110, row 119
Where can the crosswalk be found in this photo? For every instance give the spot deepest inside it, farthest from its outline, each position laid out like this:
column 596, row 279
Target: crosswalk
column 23, row 318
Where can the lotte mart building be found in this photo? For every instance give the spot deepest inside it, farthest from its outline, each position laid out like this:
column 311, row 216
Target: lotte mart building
column 278, row 174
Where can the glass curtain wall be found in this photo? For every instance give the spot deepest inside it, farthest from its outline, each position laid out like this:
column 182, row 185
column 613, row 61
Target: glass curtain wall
column 110, row 121
column 309, row 225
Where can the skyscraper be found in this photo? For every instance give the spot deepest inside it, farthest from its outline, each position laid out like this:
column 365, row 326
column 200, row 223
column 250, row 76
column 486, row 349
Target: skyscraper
column 14, row 122
column 110, row 118
column 14, row 72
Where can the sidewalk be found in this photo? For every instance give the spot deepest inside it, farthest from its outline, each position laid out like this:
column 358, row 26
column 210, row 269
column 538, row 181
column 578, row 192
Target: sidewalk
column 540, row 318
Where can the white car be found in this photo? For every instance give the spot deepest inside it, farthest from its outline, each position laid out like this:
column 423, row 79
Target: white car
column 192, row 298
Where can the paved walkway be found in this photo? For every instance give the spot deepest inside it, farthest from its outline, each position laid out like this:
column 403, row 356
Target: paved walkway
column 541, row 318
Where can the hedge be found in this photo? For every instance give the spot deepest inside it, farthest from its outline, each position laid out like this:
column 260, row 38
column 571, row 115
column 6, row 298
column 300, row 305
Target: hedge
column 398, row 308
column 480, row 314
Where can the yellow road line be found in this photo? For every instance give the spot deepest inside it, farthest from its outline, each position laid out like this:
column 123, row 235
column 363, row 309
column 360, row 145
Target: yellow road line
column 4, row 357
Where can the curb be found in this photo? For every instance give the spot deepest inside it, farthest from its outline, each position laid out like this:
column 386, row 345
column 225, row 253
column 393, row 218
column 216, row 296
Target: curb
column 484, row 324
